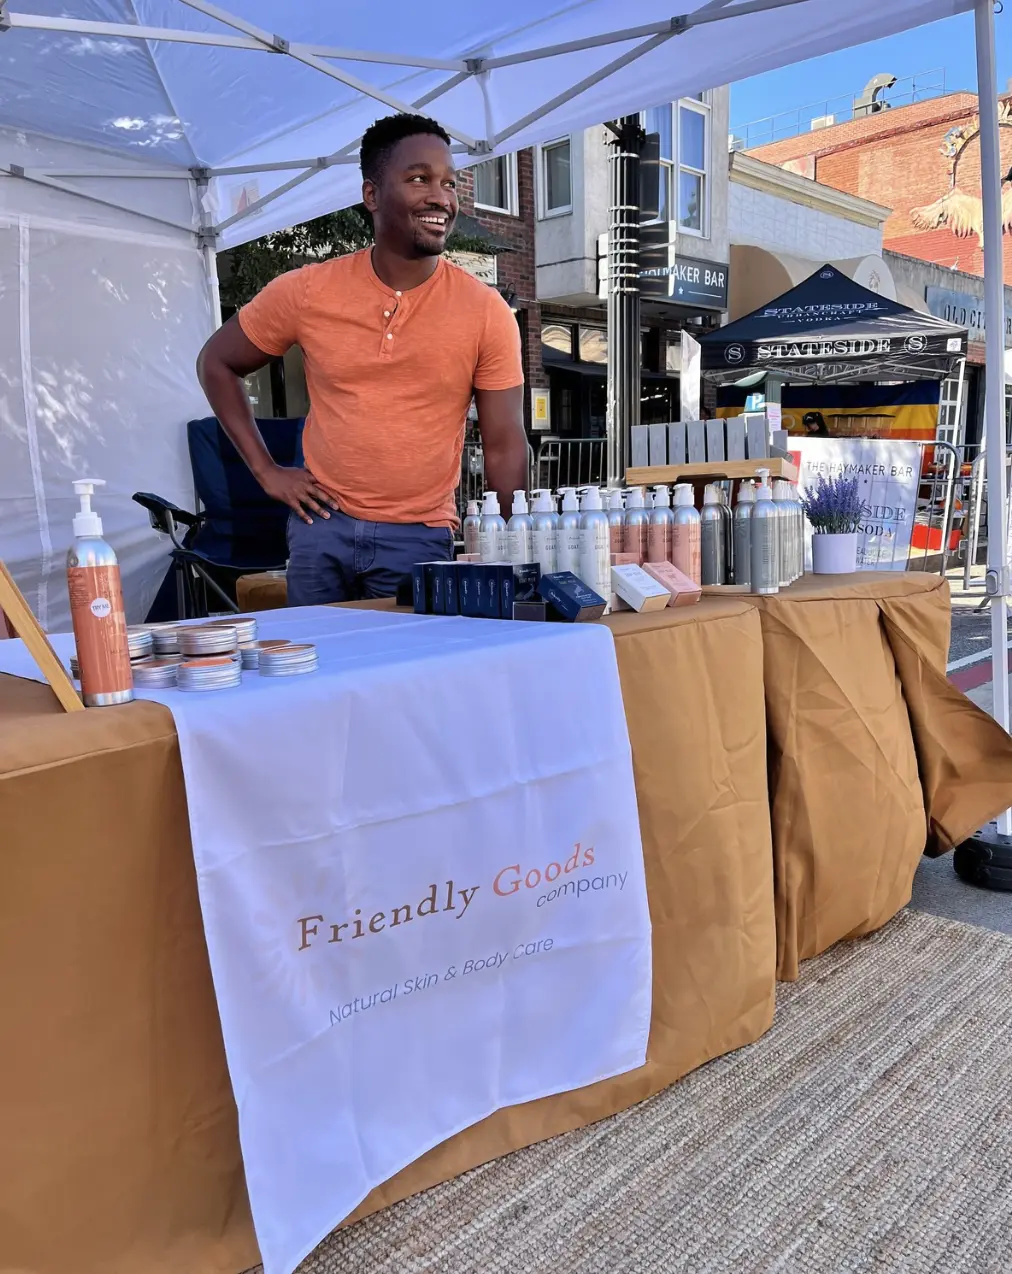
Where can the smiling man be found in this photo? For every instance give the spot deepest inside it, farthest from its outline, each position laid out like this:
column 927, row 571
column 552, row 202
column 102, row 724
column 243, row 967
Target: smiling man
column 396, row 342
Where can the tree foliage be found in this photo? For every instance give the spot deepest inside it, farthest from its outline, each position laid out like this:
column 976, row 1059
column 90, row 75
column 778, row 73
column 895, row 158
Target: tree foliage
column 251, row 266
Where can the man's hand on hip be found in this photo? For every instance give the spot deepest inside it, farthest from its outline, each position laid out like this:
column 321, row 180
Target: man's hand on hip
column 298, row 489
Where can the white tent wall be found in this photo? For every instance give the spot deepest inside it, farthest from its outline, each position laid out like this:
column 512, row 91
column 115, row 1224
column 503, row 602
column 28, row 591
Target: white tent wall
column 102, row 314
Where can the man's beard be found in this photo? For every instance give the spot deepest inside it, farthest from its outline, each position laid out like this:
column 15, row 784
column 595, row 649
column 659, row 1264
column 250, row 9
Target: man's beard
column 426, row 246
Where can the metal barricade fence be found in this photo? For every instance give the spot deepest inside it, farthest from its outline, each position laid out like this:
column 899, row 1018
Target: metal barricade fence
column 472, row 477
column 974, row 487
column 571, row 462
column 939, row 512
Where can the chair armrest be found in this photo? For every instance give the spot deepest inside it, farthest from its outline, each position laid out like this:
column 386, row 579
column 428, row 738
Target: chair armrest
column 167, row 517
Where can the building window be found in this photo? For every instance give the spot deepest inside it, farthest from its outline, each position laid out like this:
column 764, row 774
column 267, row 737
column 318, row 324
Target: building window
column 495, row 185
column 684, row 161
column 558, row 338
column 693, row 151
column 658, row 120
column 593, row 345
column 556, row 178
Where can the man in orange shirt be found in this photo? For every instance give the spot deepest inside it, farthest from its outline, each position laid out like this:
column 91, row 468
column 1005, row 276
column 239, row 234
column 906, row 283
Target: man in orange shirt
column 396, row 341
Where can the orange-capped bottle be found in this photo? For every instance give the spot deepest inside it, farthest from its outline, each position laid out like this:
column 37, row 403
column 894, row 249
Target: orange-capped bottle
column 96, row 608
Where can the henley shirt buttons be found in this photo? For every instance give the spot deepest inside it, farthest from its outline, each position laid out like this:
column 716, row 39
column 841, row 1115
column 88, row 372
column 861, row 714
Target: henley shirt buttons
column 390, row 336
column 386, row 313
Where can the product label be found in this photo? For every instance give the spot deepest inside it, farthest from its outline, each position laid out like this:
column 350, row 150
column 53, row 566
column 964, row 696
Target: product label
column 635, row 540
column 595, row 558
column 544, row 548
column 657, row 542
column 518, row 544
column 100, row 631
column 686, row 551
column 569, row 549
column 617, row 537
column 493, row 544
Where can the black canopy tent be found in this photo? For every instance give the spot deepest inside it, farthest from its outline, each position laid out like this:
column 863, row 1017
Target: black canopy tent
column 831, row 330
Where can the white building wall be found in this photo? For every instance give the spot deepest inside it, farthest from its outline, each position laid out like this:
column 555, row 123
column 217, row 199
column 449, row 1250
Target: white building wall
column 757, row 218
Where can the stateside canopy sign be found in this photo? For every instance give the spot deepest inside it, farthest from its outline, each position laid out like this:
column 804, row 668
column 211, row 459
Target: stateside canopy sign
column 831, row 329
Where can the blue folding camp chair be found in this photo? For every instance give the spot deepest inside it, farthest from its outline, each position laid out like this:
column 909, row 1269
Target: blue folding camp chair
column 238, row 530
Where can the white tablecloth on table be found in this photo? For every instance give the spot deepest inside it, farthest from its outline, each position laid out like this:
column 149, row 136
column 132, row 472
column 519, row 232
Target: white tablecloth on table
column 422, row 887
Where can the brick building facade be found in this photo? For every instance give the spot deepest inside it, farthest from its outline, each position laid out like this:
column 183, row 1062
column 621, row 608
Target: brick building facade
column 922, row 161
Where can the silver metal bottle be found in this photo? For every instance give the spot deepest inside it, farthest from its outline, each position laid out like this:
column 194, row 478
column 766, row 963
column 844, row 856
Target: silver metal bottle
column 595, row 546
column 520, row 532
column 685, row 533
column 545, row 535
column 764, row 529
column 712, row 538
column 492, row 530
column 471, row 528
column 742, row 534
column 728, row 535
column 568, row 544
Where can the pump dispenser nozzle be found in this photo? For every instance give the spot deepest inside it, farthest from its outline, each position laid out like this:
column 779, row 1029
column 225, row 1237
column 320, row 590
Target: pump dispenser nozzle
column 490, row 502
column 519, row 501
column 570, row 504
column 87, row 522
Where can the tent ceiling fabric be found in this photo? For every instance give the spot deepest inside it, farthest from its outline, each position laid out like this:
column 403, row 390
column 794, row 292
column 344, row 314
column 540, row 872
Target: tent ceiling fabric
column 182, row 104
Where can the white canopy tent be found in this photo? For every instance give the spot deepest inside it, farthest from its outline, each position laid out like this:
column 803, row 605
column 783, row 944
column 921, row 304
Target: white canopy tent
column 140, row 134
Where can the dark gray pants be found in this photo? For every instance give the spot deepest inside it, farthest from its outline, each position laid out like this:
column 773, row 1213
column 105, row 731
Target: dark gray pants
column 342, row 559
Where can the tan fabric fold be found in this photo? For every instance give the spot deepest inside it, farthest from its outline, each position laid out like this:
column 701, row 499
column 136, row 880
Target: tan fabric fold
column 964, row 756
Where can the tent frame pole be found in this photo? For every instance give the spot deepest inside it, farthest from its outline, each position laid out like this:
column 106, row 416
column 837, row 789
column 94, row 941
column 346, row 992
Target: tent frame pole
column 994, row 384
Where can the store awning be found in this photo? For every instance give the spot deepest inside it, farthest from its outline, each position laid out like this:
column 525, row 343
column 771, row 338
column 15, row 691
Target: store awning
column 831, row 330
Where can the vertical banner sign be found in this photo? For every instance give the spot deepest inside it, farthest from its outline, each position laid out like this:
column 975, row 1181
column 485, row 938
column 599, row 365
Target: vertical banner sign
column 888, row 476
column 688, row 379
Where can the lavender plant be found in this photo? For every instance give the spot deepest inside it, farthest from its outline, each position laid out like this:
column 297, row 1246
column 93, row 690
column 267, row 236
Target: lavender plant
column 834, row 507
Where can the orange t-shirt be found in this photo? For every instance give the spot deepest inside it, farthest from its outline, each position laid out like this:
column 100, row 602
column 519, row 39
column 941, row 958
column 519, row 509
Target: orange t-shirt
column 390, row 378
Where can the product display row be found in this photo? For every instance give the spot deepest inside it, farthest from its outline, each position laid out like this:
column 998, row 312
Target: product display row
column 758, row 546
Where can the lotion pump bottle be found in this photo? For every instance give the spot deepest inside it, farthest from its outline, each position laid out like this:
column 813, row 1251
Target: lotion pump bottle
column 471, row 528
column 712, row 519
column 595, row 545
column 637, row 522
column 569, row 532
column 520, row 532
column 545, row 534
column 492, row 530
column 764, row 528
column 96, row 608
column 685, row 534
column 661, row 525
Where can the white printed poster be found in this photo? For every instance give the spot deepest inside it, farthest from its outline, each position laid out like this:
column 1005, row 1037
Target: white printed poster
column 888, row 476
column 422, row 887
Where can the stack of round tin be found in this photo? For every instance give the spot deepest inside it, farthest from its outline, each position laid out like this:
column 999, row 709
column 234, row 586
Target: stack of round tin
column 166, row 639
column 251, row 653
column 209, row 674
column 208, row 639
column 288, row 660
column 142, row 642
column 245, row 628
column 157, row 674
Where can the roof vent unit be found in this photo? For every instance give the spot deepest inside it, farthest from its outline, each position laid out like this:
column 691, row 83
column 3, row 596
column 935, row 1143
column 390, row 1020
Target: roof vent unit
column 822, row 121
column 870, row 102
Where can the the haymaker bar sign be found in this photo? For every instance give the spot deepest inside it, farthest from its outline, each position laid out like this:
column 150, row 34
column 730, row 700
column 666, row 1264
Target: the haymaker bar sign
column 665, row 275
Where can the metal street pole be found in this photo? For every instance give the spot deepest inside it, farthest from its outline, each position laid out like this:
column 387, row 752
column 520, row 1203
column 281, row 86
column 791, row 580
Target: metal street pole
column 623, row 292
column 992, row 846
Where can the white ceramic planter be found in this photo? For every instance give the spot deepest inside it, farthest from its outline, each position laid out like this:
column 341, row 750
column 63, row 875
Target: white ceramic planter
column 834, row 554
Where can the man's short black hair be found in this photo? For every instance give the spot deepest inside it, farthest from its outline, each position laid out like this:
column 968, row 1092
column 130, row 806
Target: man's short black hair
column 379, row 140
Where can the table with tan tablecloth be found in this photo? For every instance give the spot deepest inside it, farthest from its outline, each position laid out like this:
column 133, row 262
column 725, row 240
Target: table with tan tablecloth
column 121, row 1151
column 874, row 757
